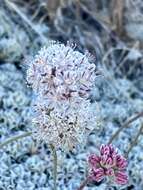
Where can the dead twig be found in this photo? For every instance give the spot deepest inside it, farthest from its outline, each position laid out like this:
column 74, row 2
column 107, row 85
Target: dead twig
column 126, row 124
column 117, row 15
column 135, row 141
column 15, row 8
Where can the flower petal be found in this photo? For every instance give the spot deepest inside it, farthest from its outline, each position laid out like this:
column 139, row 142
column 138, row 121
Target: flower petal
column 121, row 178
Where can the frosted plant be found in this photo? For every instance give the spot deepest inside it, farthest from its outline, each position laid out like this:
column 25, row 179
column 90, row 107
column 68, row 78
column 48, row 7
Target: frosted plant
column 62, row 79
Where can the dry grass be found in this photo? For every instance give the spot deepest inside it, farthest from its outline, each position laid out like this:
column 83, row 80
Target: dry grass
column 96, row 26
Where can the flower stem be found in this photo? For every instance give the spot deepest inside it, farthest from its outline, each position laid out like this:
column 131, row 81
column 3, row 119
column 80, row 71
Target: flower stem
column 135, row 141
column 14, row 138
column 83, row 184
column 55, row 166
column 126, row 124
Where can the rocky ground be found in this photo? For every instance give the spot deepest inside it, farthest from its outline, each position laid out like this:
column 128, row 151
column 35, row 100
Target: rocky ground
column 118, row 92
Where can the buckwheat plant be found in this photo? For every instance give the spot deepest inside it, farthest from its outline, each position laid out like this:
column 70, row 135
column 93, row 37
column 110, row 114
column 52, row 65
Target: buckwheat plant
column 62, row 79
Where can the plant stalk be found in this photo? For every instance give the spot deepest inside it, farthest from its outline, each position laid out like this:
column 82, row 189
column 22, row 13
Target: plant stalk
column 83, row 184
column 135, row 141
column 55, row 166
column 14, row 138
column 126, row 124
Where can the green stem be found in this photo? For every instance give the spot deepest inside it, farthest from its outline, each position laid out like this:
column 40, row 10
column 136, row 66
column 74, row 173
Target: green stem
column 55, row 166
column 15, row 138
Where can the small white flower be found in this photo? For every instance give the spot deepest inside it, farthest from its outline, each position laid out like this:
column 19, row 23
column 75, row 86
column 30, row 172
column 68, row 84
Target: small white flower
column 62, row 79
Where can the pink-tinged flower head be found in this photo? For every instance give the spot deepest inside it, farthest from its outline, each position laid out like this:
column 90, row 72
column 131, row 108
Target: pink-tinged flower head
column 61, row 79
column 60, row 74
column 108, row 163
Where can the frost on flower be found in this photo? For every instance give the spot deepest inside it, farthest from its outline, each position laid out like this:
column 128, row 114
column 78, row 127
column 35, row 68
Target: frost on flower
column 62, row 79
column 108, row 163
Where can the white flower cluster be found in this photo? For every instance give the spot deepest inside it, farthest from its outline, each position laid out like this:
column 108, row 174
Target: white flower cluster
column 62, row 80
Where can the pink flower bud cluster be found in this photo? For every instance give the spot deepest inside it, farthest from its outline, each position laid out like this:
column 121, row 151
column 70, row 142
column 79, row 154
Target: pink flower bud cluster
column 62, row 79
column 108, row 163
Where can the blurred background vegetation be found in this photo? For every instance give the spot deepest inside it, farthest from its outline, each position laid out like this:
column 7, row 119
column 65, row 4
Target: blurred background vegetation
column 110, row 29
